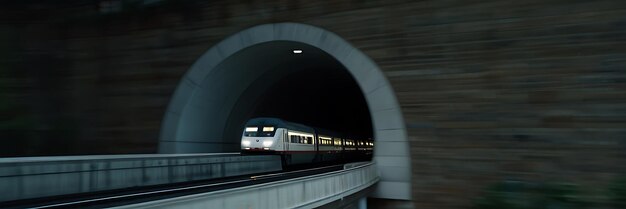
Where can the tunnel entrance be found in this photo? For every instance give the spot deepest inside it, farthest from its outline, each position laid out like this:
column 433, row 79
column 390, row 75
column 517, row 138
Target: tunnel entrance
column 310, row 88
column 255, row 73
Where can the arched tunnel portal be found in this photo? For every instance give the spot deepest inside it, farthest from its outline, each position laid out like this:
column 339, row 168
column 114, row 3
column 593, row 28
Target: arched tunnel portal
column 255, row 73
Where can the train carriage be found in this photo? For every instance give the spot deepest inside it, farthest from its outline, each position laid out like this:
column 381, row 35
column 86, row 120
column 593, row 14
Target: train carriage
column 301, row 144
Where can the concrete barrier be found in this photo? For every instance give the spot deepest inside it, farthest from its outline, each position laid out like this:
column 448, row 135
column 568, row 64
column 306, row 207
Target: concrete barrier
column 303, row 192
column 32, row 177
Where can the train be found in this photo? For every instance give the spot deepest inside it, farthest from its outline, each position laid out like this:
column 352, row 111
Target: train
column 299, row 144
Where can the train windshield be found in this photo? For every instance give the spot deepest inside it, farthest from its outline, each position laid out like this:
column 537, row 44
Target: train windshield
column 260, row 131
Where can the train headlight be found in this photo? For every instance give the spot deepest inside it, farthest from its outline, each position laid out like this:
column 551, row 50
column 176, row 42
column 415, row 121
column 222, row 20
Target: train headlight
column 245, row 143
column 268, row 143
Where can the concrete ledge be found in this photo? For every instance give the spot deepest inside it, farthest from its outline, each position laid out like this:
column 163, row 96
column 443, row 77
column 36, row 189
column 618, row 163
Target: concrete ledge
column 303, row 192
column 32, row 177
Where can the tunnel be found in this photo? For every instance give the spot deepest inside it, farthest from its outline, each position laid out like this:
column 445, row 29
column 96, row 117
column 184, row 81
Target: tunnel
column 309, row 88
column 296, row 72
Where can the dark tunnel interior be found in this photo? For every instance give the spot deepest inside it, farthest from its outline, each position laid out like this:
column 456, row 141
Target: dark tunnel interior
column 311, row 88
column 326, row 97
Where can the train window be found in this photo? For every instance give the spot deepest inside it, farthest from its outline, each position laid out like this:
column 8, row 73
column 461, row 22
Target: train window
column 301, row 138
column 250, row 131
column 254, row 132
column 325, row 140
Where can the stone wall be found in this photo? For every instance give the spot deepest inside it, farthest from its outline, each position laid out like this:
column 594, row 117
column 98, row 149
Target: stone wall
column 491, row 90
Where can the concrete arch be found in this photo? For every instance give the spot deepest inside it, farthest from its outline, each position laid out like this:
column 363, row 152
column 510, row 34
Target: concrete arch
column 208, row 86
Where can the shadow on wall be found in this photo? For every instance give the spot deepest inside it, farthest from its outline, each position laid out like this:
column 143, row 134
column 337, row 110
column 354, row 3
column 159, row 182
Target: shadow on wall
column 33, row 117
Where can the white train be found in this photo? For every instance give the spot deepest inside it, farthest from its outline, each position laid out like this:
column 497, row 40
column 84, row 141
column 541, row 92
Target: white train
column 300, row 144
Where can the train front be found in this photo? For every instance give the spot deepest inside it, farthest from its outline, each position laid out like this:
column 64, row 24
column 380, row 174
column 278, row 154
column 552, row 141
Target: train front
column 260, row 139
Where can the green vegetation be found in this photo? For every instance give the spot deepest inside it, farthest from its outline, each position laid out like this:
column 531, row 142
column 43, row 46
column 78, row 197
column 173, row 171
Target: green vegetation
column 617, row 193
column 530, row 195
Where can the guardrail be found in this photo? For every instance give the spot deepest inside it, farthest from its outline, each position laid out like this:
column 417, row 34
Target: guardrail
column 33, row 177
column 303, row 192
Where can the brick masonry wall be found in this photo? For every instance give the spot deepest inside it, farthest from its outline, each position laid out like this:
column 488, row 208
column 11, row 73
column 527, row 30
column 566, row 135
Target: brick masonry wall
column 490, row 90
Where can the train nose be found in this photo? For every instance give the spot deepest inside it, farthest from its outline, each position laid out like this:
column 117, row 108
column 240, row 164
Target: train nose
column 257, row 144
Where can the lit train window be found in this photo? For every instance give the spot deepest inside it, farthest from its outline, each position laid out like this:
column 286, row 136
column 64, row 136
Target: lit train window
column 268, row 129
column 251, row 129
column 325, row 140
